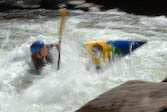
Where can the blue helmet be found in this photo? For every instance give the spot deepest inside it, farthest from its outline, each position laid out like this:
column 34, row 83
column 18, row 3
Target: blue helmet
column 36, row 46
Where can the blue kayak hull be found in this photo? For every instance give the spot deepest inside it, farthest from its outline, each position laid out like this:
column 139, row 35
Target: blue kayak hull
column 126, row 46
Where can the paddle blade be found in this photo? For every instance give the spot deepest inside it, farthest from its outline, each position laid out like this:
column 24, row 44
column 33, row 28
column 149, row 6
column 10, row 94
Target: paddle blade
column 63, row 12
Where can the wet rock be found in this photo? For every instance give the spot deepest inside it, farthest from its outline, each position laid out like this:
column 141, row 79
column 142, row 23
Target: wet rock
column 2, row 1
column 19, row 4
column 51, row 4
column 30, row 6
column 94, row 9
column 32, row 2
column 84, row 6
column 23, row 5
column 165, row 80
column 132, row 96
column 141, row 7
column 61, row 5
column 72, row 3
column 76, row 2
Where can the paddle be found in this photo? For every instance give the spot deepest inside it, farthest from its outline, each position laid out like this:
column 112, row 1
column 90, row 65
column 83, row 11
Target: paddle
column 63, row 14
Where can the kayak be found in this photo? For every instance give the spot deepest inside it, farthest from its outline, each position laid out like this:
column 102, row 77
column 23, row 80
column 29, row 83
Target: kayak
column 122, row 47
column 110, row 48
column 125, row 47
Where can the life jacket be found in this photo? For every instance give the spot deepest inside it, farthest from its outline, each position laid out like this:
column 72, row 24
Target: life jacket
column 106, row 50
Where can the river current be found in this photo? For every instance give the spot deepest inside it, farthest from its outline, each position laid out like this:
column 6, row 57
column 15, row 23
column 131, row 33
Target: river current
column 75, row 83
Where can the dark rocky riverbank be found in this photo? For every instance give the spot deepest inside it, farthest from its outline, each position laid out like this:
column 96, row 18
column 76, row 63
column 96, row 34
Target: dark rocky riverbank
column 141, row 7
column 132, row 96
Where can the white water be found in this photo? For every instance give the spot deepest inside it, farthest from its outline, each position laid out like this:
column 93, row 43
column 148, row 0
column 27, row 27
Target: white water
column 73, row 85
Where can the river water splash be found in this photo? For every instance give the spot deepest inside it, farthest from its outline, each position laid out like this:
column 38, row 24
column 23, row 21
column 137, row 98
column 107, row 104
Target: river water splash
column 76, row 82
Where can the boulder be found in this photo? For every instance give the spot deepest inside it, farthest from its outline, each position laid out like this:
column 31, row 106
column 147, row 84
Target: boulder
column 19, row 4
column 52, row 4
column 2, row 1
column 141, row 7
column 73, row 3
column 94, row 9
column 84, row 7
column 132, row 96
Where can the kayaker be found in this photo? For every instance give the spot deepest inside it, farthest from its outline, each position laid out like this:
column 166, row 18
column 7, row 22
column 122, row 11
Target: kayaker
column 99, row 51
column 40, row 53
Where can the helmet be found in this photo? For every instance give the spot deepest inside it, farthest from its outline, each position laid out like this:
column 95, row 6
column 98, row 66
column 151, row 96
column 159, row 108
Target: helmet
column 36, row 46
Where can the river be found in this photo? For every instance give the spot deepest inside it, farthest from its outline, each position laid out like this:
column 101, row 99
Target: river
column 74, row 84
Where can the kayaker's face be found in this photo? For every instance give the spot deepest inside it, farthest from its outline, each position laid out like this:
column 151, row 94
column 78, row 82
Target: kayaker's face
column 43, row 52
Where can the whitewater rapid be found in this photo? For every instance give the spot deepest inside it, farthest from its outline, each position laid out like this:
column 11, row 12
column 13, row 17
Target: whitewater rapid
column 74, row 84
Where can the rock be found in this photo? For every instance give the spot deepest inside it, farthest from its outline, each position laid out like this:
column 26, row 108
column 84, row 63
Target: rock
column 62, row 5
column 132, row 96
column 32, row 2
column 73, row 3
column 23, row 5
column 141, row 7
column 84, row 6
column 94, row 9
column 2, row 1
column 76, row 2
column 30, row 6
column 51, row 4
column 165, row 80
column 19, row 3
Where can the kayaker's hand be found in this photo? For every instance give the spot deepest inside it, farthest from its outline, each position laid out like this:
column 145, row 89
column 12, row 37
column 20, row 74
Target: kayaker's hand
column 58, row 46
